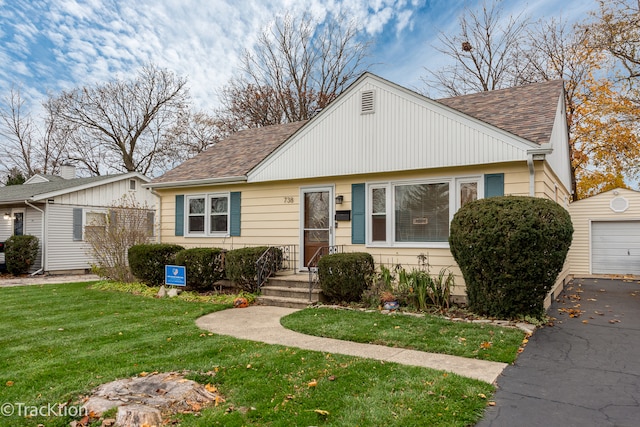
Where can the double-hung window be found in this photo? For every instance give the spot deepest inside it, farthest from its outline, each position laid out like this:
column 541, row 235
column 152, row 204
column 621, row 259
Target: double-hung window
column 416, row 213
column 208, row 215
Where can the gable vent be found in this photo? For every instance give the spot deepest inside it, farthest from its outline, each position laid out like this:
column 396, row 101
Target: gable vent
column 367, row 102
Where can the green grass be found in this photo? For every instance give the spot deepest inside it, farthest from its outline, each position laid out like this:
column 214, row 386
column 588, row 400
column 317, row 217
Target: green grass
column 428, row 333
column 58, row 342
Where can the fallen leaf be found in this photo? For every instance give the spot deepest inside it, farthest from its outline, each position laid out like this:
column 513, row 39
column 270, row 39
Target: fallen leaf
column 321, row 412
column 485, row 345
column 492, row 403
column 482, row 396
column 313, row 383
column 591, row 299
column 211, row 388
column 585, row 321
column 9, row 383
column 143, row 374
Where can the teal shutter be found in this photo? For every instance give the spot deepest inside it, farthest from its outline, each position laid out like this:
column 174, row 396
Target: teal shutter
column 77, row 224
column 234, row 203
column 358, row 213
column 493, row 185
column 179, row 215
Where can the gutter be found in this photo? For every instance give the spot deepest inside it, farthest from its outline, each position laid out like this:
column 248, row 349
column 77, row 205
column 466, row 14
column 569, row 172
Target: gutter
column 535, row 154
column 199, row 182
column 42, row 250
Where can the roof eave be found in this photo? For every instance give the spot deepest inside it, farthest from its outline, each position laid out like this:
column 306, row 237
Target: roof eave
column 198, row 182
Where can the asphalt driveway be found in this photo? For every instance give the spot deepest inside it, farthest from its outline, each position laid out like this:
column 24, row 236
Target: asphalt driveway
column 582, row 371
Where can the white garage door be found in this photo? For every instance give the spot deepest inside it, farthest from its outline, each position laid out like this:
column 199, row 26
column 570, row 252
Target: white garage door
column 615, row 247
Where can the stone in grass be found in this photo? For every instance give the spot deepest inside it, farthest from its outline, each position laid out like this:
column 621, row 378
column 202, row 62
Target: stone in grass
column 169, row 392
column 173, row 292
column 162, row 292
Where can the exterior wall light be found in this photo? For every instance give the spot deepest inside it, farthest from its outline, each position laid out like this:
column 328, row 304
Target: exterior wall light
column 339, row 199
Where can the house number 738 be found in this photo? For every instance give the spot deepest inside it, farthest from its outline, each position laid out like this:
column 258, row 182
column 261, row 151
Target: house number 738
column 288, row 199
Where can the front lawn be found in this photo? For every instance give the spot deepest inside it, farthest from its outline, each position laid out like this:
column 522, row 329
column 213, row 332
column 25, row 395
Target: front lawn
column 428, row 333
column 58, row 342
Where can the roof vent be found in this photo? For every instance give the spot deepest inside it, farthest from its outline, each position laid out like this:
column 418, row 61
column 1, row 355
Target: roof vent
column 367, row 102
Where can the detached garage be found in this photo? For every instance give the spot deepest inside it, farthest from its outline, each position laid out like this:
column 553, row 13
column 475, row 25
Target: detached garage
column 606, row 239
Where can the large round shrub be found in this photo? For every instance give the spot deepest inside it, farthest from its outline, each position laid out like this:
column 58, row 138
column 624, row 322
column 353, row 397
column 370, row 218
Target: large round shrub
column 204, row 266
column 147, row 261
column 345, row 276
column 20, row 253
column 510, row 250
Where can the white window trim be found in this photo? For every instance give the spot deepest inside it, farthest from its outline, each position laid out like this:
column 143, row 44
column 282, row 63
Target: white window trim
column 454, row 204
column 207, row 215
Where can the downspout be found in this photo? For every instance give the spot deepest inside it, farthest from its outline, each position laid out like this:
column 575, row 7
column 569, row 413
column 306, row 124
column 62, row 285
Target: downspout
column 532, row 175
column 42, row 250
column 159, row 212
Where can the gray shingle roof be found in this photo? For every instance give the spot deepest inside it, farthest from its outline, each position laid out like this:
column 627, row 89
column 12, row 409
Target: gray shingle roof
column 20, row 193
column 234, row 156
column 526, row 111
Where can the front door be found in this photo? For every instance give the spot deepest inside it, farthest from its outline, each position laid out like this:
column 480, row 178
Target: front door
column 317, row 226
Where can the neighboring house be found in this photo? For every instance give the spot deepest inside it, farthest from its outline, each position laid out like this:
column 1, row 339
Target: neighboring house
column 382, row 169
column 56, row 210
column 606, row 238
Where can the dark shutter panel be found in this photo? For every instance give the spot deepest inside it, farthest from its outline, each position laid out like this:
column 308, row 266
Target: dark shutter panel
column 234, row 203
column 358, row 212
column 77, row 224
column 180, row 215
column 494, row 185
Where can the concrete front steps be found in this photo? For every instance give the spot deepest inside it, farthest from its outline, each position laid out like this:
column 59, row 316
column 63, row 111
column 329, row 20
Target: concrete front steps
column 288, row 290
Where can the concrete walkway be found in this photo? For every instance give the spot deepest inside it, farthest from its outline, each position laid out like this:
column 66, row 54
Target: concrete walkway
column 8, row 280
column 262, row 323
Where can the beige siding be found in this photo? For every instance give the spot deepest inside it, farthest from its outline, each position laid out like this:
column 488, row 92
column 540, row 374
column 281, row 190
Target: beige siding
column 596, row 208
column 269, row 217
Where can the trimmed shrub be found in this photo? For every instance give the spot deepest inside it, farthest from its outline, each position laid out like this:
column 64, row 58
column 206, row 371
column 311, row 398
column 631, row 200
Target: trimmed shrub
column 204, row 266
column 240, row 267
column 147, row 261
column 510, row 250
column 345, row 276
column 20, row 253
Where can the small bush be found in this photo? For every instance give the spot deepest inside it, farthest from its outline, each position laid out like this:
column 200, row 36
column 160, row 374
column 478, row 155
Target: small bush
column 240, row 267
column 204, row 266
column 510, row 250
column 345, row 276
column 20, row 253
column 147, row 261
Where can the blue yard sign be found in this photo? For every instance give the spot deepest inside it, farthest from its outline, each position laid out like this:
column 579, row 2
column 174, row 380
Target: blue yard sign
column 175, row 275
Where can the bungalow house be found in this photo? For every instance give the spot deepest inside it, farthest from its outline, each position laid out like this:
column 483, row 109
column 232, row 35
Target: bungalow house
column 56, row 209
column 382, row 169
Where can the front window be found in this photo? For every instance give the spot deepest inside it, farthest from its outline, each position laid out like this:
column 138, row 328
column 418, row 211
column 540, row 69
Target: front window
column 422, row 212
column 379, row 214
column 219, row 214
column 208, row 215
column 418, row 213
column 18, row 223
column 196, row 209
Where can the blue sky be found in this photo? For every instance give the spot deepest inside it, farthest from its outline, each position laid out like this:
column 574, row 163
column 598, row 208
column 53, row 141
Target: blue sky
column 51, row 45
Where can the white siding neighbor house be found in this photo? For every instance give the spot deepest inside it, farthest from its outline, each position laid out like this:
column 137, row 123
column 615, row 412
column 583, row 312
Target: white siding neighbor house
column 56, row 210
column 382, row 169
